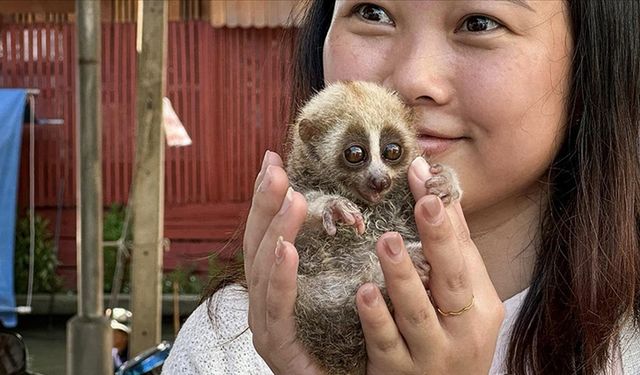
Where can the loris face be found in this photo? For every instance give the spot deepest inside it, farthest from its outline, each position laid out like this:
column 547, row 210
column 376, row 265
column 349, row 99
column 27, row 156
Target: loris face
column 358, row 136
column 369, row 161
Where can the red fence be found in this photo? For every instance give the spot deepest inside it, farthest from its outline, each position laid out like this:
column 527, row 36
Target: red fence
column 228, row 86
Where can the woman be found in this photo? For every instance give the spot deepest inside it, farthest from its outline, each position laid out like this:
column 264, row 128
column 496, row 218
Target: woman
column 536, row 105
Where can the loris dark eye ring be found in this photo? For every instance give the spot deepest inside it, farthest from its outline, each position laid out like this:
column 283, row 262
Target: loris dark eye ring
column 392, row 151
column 355, row 154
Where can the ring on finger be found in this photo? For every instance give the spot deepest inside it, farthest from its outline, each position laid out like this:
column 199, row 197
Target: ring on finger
column 457, row 312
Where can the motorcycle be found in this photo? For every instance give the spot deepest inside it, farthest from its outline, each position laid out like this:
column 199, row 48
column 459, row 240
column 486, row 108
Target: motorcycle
column 13, row 354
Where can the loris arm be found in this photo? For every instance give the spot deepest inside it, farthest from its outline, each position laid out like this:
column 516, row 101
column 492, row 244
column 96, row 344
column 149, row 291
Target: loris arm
column 328, row 209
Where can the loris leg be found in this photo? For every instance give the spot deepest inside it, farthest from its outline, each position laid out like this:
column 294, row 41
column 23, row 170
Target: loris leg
column 443, row 184
column 331, row 209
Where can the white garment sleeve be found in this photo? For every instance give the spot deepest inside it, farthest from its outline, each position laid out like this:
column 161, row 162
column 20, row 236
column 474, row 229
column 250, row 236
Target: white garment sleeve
column 215, row 339
column 630, row 348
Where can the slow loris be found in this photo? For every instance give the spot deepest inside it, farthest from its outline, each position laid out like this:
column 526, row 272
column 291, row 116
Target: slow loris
column 352, row 144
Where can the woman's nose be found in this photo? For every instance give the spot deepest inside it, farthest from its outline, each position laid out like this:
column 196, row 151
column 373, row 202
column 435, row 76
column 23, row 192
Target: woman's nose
column 422, row 72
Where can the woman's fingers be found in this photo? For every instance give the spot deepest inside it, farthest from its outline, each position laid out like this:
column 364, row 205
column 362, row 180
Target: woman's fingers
column 280, row 319
column 285, row 224
column 477, row 273
column 413, row 312
column 277, row 213
column 455, row 331
column 419, row 172
column 281, row 291
column 385, row 346
column 458, row 280
column 269, row 190
column 269, row 158
column 475, row 264
column 449, row 282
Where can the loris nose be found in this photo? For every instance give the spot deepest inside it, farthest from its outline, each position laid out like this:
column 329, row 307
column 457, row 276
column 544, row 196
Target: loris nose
column 379, row 183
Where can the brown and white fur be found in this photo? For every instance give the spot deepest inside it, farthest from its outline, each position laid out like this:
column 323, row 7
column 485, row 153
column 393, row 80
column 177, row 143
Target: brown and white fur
column 350, row 206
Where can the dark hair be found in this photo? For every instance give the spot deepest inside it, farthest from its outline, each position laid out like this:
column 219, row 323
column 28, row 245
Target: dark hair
column 308, row 75
column 586, row 280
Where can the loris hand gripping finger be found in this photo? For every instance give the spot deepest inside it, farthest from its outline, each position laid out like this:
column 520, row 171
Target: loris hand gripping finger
column 352, row 145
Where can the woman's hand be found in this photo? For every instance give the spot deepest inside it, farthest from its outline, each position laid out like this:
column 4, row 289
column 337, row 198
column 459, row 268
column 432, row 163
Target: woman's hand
column 417, row 338
column 271, row 264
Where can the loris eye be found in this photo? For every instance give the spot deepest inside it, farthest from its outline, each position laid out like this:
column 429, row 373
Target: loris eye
column 392, row 151
column 355, row 154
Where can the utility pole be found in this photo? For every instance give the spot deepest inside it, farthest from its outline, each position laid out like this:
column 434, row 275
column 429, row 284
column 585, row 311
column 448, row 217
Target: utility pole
column 89, row 336
column 148, row 198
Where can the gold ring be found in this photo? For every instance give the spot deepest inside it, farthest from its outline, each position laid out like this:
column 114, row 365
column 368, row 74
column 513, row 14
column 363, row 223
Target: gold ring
column 458, row 312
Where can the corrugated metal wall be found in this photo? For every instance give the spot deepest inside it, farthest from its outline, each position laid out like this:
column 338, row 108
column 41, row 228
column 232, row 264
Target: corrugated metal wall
column 36, row 57
column 228, row 85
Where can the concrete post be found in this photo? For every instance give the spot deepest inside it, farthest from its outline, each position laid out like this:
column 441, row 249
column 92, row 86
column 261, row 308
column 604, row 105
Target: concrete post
column 89, row 336
column 148, row 198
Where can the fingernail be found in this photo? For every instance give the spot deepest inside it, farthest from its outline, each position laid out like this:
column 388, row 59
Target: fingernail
column 266, row 161
column 421, row 168
column 287, row 201
column 369, row 295
column 393, row 244
column 279, row 250
column 432, row 209
column 266, row 180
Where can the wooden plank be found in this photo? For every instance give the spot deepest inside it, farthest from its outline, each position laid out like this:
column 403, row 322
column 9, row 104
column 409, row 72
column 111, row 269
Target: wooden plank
column 204, row 134
column 149, row 183
column 190, row 153
column 217, row 13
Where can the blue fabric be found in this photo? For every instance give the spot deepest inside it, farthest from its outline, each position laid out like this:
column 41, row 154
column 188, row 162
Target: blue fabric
column 12, row 104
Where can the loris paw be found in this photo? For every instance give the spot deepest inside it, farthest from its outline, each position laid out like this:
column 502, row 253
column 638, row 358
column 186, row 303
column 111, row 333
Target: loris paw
column 443, row 184
column 341, row 210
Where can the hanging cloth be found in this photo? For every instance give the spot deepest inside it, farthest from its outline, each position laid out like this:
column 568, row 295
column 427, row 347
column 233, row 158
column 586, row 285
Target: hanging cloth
column 12, row 104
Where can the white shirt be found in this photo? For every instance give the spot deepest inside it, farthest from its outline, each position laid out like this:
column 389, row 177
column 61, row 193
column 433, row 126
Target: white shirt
column 228, row 349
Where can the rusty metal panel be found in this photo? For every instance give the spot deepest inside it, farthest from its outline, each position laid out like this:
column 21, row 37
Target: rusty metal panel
column 214, row 79
column 35, row 56
column 228, row 85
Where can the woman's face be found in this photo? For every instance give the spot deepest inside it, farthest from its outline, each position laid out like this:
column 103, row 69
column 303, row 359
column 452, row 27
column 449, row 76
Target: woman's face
column 487, row 78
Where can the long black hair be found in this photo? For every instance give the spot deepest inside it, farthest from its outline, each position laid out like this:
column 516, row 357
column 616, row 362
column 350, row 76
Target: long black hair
column 586, row 279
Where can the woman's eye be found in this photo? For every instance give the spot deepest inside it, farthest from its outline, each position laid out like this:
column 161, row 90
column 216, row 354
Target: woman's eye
column 373, row 13
column 355, row 154
column 476, row 24
column 392, row 151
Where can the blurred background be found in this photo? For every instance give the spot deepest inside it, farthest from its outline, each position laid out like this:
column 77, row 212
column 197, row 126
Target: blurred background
column 228, row 66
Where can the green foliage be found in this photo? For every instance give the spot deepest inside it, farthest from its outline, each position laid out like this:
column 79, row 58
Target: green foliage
column 113, row 222
column 45, row 279
column 185, row 276
column 112, row 225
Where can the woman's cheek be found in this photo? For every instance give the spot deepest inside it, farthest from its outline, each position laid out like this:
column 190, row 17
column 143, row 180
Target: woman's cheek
column 348, row 57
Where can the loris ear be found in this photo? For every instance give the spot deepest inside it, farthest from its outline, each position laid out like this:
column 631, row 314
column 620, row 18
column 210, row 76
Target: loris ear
column 307, row 131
